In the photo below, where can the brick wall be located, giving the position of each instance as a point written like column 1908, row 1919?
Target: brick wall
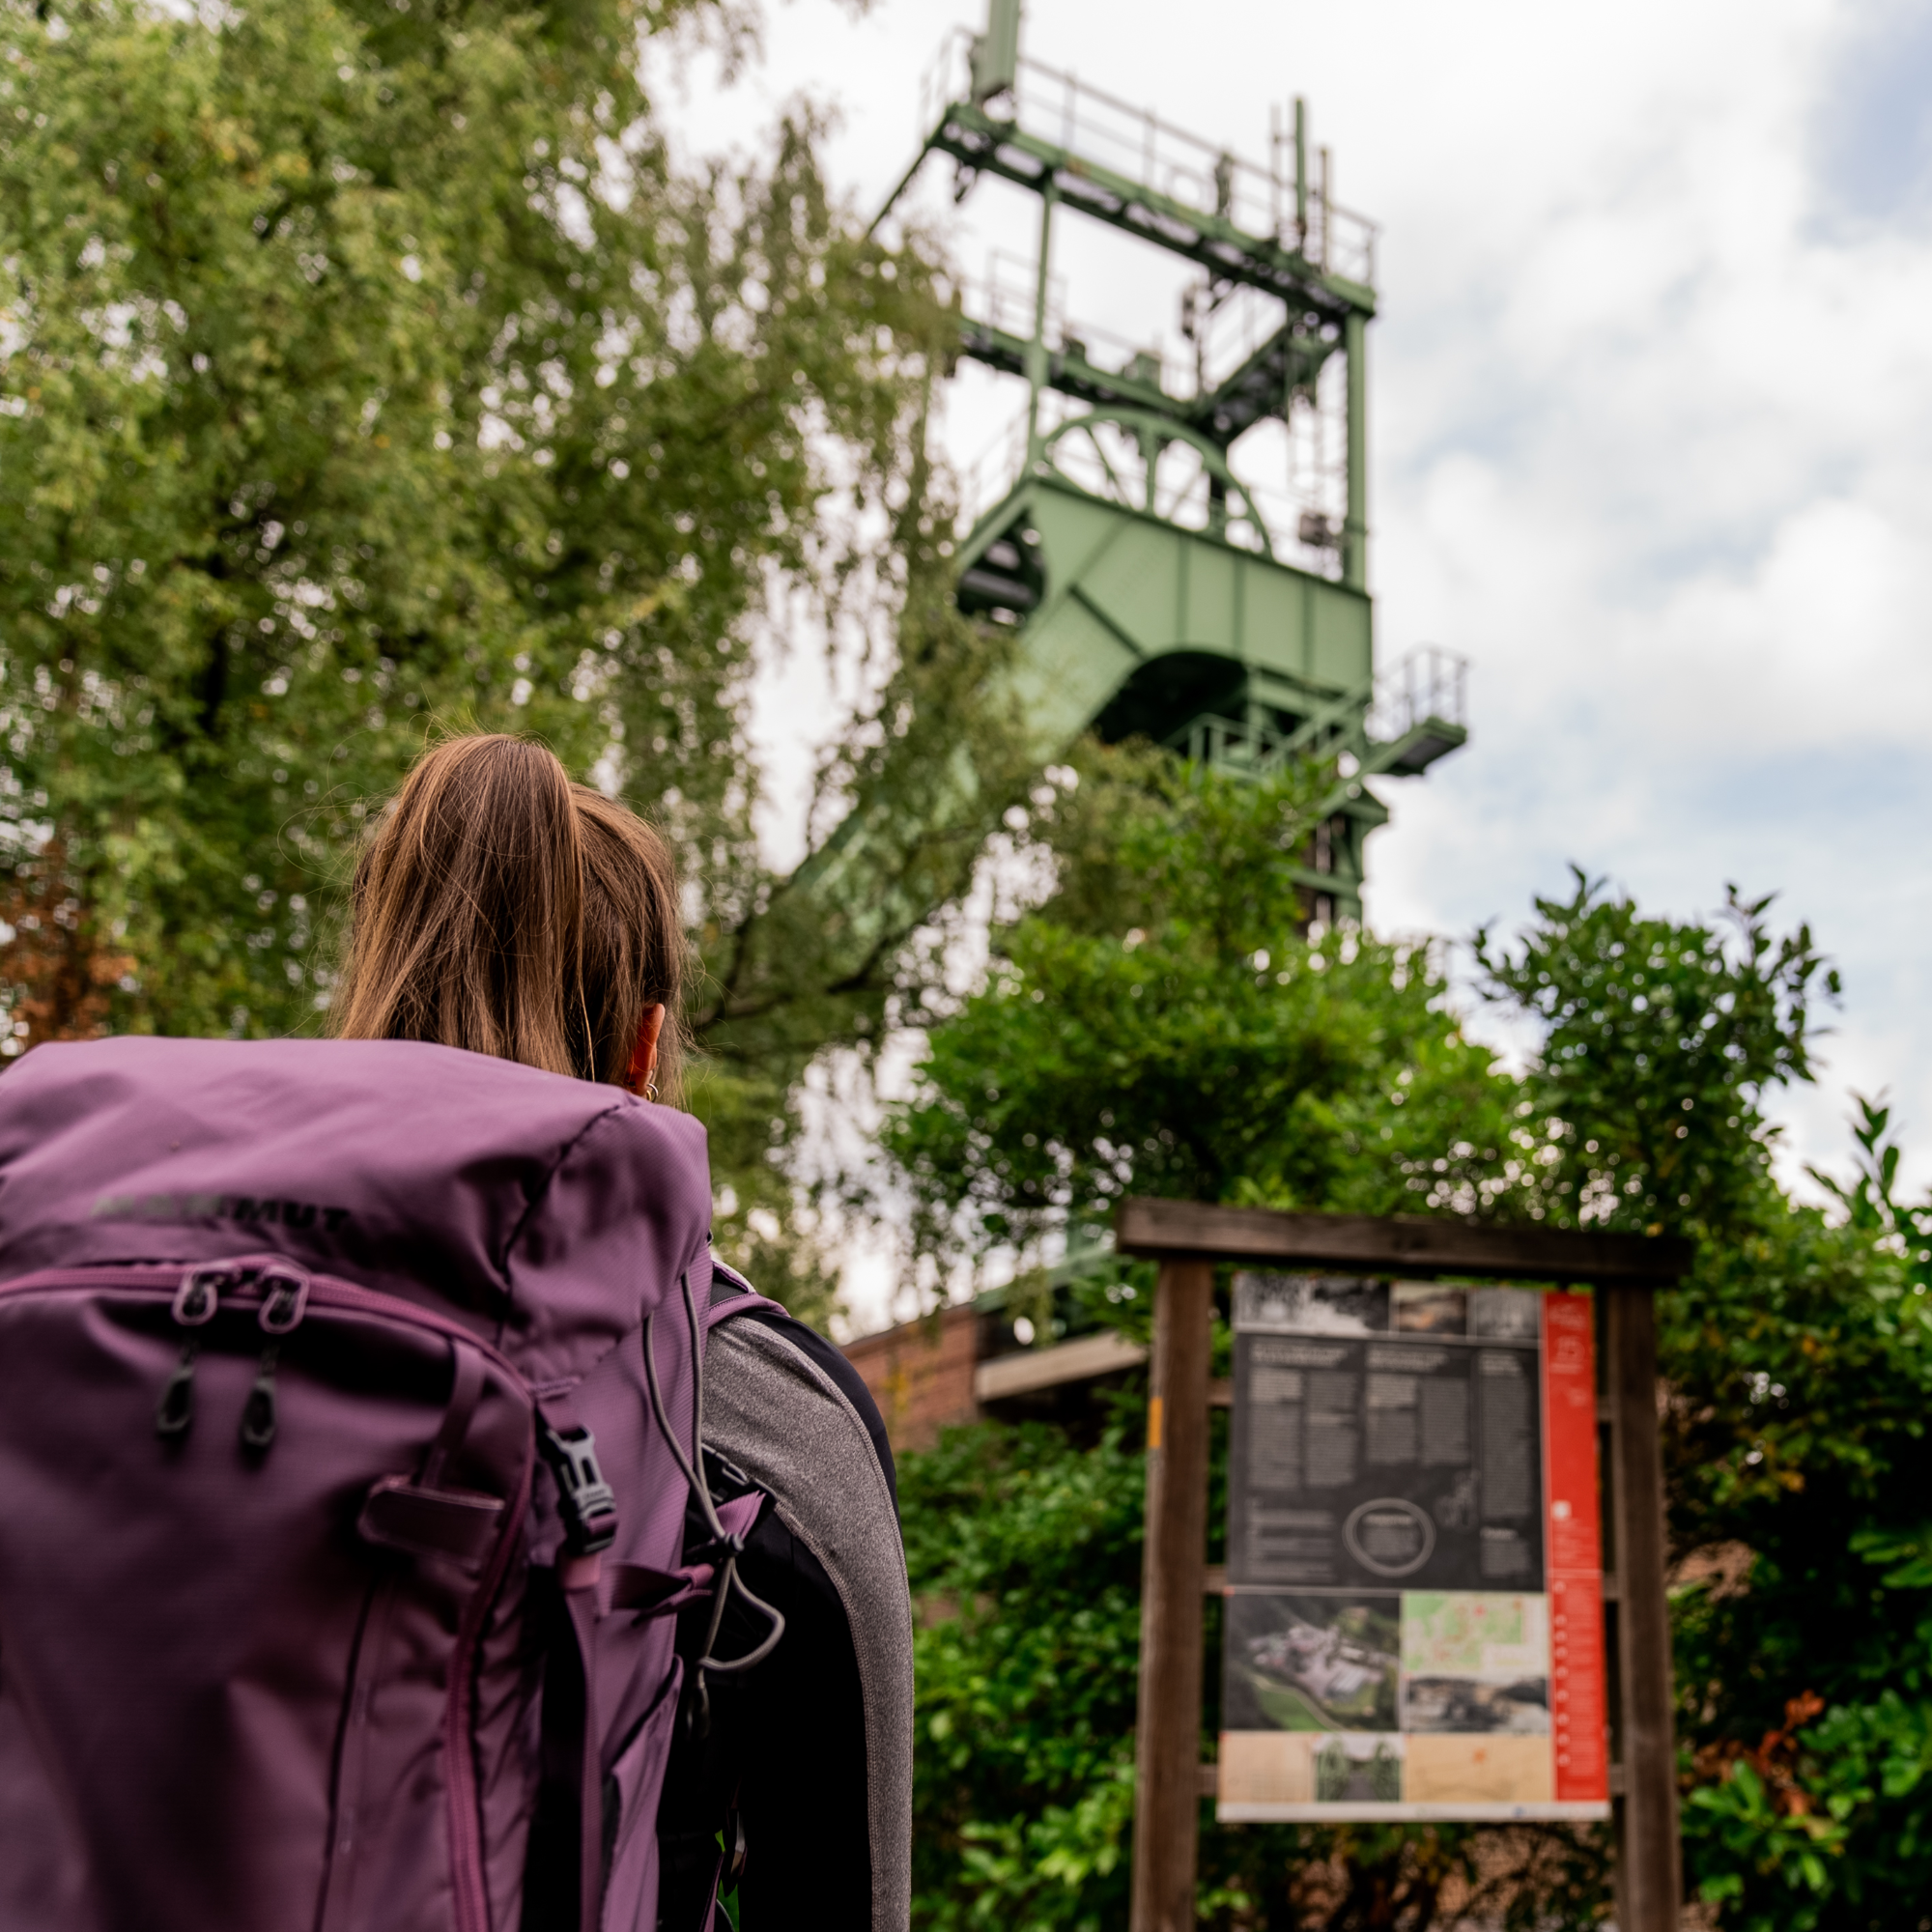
column 921, row 1374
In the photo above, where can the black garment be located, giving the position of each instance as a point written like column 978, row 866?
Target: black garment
column 773, row 1760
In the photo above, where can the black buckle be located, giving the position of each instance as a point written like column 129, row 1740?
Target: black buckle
column 584, row 1498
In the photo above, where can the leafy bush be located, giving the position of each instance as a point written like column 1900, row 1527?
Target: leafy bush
column 1024, row 1552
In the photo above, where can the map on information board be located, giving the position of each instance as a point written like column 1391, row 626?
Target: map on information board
column 1414, row 1620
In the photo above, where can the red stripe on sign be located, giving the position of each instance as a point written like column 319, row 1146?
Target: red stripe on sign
column 1573, row 1549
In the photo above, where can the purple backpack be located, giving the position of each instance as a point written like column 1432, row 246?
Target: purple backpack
column 348, row 1394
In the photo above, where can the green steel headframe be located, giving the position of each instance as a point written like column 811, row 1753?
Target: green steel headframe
column 1313, row 257
column 1150, row 583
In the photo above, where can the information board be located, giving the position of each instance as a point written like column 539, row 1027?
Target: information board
column 1414, row 1617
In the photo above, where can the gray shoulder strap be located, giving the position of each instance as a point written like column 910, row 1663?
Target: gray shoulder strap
column 785, row 1423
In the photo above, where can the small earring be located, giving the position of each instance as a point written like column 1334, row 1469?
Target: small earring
column 650, row 1089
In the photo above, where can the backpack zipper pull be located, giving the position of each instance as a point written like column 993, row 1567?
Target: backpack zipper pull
column 284, row 1302
column 196, row 1302
column 198, row 1296
column 175, row 1411
column 284, row 1299
column 258, row 1412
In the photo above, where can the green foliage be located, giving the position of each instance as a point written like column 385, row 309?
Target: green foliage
column 1659, row 1040
column 1801, row 1366
column 1797, row 1356
column 1824, row 1829
column 1756, row 1848
column 363, row 365
column 1163, row 1024
column 1869, row 1199
column 1023, row 1553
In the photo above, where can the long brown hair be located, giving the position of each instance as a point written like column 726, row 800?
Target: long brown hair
column 501, row 908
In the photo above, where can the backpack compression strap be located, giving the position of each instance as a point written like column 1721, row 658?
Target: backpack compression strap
column 563, row 1881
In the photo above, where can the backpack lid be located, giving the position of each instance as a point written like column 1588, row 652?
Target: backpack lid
column 551, row 1214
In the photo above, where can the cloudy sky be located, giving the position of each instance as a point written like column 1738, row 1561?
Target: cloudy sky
column 1652, row 426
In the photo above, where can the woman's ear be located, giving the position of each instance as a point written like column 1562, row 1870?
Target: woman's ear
column 644, row 1066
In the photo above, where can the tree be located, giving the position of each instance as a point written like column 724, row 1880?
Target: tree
column 1162, row 1022
column 1659, row 1042
column 367, row 369
column 1797, row 1360
column 1800, row 1362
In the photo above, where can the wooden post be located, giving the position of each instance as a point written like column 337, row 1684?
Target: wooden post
column 1167, row 1739
column 1649, row 1874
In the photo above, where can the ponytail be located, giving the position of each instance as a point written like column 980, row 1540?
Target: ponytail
column 500, row 908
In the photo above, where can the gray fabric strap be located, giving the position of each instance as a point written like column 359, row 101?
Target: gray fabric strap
column 783, row 1420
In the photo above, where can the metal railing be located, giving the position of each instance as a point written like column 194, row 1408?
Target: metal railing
column 1302, row 526
column 1429, row 682
column 1227, row 743
column 990, row 476
column 1137, row 144
column 1005, row 294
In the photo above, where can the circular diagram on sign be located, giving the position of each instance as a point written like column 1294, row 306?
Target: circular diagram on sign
column 1391, row 1536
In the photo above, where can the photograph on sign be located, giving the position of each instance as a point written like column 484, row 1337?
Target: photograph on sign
column 1414, row 1619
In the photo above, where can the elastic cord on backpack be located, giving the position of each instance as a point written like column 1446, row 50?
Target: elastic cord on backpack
column 690, row 1468
column 730, row 1580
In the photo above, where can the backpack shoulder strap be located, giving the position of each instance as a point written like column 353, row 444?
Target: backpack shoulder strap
column 791, row 1411
column 732, row 1295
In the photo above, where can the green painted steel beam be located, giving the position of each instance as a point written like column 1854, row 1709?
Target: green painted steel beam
column 1066, row 369
column 1355, row 525
column 1289, row 361
column 1105, row 596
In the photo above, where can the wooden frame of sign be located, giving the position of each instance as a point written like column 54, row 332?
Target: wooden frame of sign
column 1188, row 1240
